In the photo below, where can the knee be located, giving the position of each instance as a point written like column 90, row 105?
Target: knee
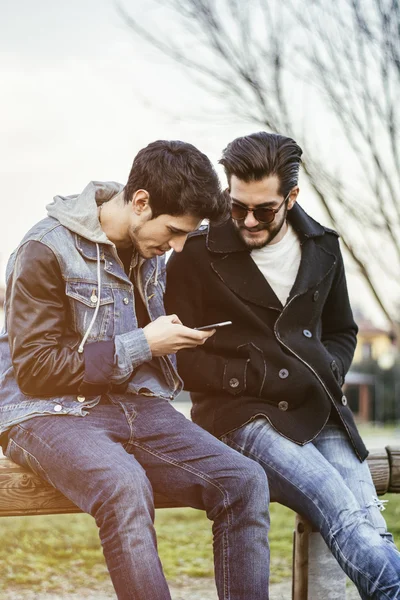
column 250, row 482
column 121, row 491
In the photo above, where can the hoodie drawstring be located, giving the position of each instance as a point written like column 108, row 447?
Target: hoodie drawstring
column 85, row 337
column 156, row 275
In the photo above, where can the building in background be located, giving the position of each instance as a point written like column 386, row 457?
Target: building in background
column 373, row 343
column 373, row 382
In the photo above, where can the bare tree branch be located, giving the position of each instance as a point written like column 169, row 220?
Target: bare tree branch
column 345, row 55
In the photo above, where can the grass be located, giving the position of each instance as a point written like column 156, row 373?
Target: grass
column 371, row 430
column 54, row 553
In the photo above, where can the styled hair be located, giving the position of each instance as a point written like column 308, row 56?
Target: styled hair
column 259, row 155
column 179, row 180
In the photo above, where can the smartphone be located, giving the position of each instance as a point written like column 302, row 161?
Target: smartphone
column 214, row 325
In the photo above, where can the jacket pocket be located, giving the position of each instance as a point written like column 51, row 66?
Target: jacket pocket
column 256, row 369
column 336, row 372
column 234, row 376
column 83, row 301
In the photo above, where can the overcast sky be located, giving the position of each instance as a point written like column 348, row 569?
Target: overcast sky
column 79, row 97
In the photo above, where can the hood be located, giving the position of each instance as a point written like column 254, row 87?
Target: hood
column 78, row 213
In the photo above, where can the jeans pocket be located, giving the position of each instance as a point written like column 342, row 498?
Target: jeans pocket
column 25, row 459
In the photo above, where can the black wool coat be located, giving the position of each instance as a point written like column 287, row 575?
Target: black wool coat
column 285, row 362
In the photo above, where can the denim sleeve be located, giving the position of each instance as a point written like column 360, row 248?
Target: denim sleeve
column 131, row 350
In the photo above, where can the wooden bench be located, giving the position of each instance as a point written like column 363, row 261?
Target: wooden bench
column 23, row 493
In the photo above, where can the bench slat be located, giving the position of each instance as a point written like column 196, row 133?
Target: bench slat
column 24, row 493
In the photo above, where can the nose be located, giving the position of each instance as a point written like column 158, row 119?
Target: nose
column 177, row 244
column 250, row 220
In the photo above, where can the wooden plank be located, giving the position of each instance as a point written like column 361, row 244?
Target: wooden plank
column 378, row 463
column 300, row 559
column 24, row 493
column 394, row 461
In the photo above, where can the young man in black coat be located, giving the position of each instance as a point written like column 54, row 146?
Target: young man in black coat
column 270, row 385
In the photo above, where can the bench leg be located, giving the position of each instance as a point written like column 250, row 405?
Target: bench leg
column 316, row 573
column 302, row 529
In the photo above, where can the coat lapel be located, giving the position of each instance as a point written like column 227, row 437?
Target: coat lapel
column 316, row 263
column 232, row 261
column 240, row 273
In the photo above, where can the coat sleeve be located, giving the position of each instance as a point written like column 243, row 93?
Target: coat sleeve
column 339, row 331
column 45, row 357
column 201, row 369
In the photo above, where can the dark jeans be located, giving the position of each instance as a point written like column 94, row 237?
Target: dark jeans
column 110, row 461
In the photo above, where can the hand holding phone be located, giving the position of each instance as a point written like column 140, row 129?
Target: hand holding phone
column 167, row 335
column 213, row 326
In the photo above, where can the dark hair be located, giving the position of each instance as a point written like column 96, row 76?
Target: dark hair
column 179, row 179
column 259, row 155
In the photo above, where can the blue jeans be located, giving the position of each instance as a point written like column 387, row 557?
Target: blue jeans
column 325, row 482
column 110, row 461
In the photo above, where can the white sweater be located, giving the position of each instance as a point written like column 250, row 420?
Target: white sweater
column 280, row 262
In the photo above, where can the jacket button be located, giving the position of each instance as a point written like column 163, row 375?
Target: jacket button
column 234, row 382
column 283, row 405
column 283, row 373
column 57, row 408
column 125, row 300
column 315, row 296
column 344, row 400
column 93, row 299
column 81, row 398
column 307, row 333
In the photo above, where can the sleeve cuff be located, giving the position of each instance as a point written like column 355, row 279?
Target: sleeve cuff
column 131, row 350
column 99, row 366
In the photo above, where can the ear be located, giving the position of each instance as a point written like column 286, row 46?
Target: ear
column 141, row 202
column 293, row 197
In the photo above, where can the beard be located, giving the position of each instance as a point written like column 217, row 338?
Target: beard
column 262, row 240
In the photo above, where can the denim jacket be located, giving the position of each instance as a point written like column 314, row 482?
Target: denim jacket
column 101, row 308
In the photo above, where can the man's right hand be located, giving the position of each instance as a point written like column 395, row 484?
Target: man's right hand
column 167, row 335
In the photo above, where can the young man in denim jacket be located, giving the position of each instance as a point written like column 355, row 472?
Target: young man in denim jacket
column 270, row 385
column 87, row 369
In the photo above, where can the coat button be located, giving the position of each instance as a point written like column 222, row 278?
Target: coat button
column 283, row 405
column 57, row 408
column 307, row 333
column 125, row 300
column 234, row 382
column 315, row 296
column 344, row 400
column 283, row 373
column 93, row 298
column 81, row 398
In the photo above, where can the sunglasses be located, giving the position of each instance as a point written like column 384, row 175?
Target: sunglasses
column 263, row 214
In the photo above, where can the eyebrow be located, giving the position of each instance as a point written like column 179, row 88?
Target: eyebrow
column 263, row 205
column 178, row 230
